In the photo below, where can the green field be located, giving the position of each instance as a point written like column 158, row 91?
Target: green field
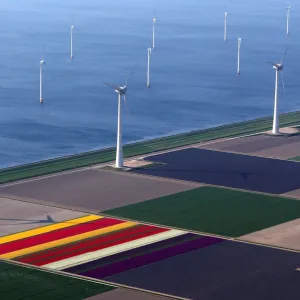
column 106, row 155
column 297, row 158
column 213, row 210
column 18, row 283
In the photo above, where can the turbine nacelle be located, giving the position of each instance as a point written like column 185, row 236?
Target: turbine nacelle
column 42, row 62
column 121, row 90
column 278, row 67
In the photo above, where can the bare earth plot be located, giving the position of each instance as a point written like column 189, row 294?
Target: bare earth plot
column 18, row 216
column 286, row 235
column 93, row 190
column 282, row 147
column 228, row 270
column 227, row 169
column 122, row 294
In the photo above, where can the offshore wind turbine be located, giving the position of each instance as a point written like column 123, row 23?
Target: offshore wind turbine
column 225, row 26
column 153, row 31
column 121, row 91
column 148, row 65
column 42, row 62
column 278, row 67
column 71, row 44
column 288, row 19
column 238, row 56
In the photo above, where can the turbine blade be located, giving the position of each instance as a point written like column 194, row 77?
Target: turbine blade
column 127, row 110
column 283, row 57
column 111, row 85
column 282, row 82
column 132, row 72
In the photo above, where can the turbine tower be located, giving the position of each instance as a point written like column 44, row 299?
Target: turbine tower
column 42, row 62
column 153, row 31
column 148, row 66
column 121, row 91
column 288, row 19
column 278, row 68
column 238, row 57
column 72, row 28
column 225, row 26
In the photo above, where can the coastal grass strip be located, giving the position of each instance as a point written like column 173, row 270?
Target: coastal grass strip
column 140, row 148
column 124, row 255
column 297, row 158
column 47, row 228
column 67, row 240
column 90, row 256
column 151, row 257
column 58, row 234
column 97, row 243
column 213, row 210
column 18, row 282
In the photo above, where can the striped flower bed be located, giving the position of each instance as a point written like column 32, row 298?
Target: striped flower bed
column 97, row 246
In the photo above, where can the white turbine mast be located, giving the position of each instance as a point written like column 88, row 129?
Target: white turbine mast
column 238, row 55
column 71, row 44
column 278, row 67
column 42, row 62
column 225, row 26
column 121, row 91
column 288, row 19
column 153, row 30
column 148, row 66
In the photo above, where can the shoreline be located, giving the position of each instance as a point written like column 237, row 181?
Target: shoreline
column 106, row 155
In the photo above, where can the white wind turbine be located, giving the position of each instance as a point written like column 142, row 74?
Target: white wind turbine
column 238, row 56
column 288, row 19
column 225, row 26
column 278, row 68
column 148, row 65
column 153, row 31
column 121, row 91
column 42, row 62
column 72, row 28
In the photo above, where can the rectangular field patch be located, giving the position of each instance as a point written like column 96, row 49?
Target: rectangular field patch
column 214, row 210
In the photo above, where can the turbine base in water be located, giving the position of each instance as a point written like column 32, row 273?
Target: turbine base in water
column 42, row 100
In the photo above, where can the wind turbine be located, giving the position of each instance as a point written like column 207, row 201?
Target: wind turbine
column 225, row 26
column 72, row 28
column 288, row 19
column 148, row 66
column 238, row 57
column 121, row 91
column 42, row 62
column 153, row 31
column 278, row 68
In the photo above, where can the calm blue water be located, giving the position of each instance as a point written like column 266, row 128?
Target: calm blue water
column 194, row 81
